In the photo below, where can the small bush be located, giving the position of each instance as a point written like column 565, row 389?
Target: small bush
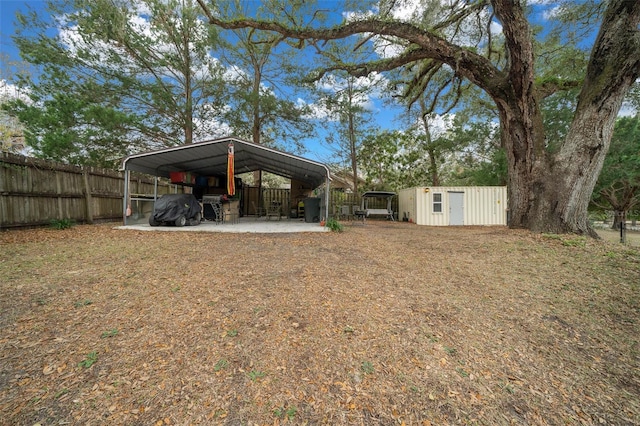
column 61, row 223
column 334, row 225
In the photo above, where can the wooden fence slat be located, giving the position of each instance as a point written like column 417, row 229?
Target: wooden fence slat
column 33, row 192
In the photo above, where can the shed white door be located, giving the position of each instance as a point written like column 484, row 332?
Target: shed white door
column 456, row 208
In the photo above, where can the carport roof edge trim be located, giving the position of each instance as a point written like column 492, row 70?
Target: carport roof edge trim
column 314, row 172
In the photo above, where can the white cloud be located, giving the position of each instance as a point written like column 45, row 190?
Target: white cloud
column 627, row 110
column 495, row 28
column 234, row 73
column 140, row 23
column 367, row 89
column 9, row 92
column 551, row 13
column 465, row 34
column 439, row 124
column 318, row 112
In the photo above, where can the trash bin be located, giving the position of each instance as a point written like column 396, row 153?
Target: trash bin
column 311, row 210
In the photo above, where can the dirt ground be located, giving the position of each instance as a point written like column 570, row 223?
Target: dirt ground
column 632, row 238
column 383, row 324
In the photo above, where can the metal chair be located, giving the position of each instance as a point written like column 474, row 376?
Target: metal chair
column 359, row 213
column 217, row 209
column 273, row 211
column 345, row 212
column 260, row 211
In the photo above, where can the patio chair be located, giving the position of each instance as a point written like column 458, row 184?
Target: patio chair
column 273, row 211
column 359, row 213
column 260, row 211
column 217, row 208
column 345, row 212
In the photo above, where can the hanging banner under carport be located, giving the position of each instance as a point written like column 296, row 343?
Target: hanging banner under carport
column 231, row 184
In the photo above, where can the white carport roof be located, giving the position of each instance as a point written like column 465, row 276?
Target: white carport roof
column 209, row 158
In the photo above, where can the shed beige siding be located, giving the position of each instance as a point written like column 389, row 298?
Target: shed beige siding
column 482, row 205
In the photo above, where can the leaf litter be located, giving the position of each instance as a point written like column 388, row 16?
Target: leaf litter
column 387, row 323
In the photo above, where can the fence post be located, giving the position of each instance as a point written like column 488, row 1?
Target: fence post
column 87, row 196
column 59, row 193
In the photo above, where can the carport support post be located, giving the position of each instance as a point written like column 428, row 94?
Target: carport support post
column 155, row 190
column 326, row 198
column 125, row 203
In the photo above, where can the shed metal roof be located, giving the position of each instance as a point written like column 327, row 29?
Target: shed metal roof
column 209, row 158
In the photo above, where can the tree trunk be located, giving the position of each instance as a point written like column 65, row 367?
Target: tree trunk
column 551, row 194
column 431, row 151
column 433, row 166
column 256, row 119
column 351, row 130
column 617, row 215
column 527, row 166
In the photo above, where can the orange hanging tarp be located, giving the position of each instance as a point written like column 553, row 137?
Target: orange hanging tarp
column 231, row 184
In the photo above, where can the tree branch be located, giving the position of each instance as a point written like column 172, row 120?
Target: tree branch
column 423, row 45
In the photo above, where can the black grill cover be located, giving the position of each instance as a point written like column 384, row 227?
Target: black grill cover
column 170, row 207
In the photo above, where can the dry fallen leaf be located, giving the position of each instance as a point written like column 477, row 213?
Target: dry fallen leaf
column 510, row 302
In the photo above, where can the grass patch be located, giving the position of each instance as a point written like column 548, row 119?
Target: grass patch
column 567, row 240
column 82, row 303
column 110, row 333
column 90, row 359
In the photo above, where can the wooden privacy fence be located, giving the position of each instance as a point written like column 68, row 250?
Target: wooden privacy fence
column 36, row 192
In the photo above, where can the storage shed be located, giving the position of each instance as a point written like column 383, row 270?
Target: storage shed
column 453, row 205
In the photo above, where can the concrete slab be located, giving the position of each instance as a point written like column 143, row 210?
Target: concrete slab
column 244, row 225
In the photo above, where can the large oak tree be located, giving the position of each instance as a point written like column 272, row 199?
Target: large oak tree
column 549, row 190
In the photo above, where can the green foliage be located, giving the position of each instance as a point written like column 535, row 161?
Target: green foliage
column 461, row 371
column 60, row 393
column 465, row 152
column 69, row 129
column 450, row 351
column 618, row 186
column 221, row 364
column 127, row 76
column 90, row 359
column 254, row 375
column 61, row 224
column 282, row 412
column 334, row 225
column 566, row 240
column 257, row 108
column 109, row 333
column 343, row 96
column 378, row 157
column 367, row 367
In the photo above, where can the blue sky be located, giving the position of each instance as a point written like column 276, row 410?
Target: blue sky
column 8, row 9
column 385, row 117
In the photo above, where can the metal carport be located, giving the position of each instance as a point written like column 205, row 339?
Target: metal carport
column 209, row 158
